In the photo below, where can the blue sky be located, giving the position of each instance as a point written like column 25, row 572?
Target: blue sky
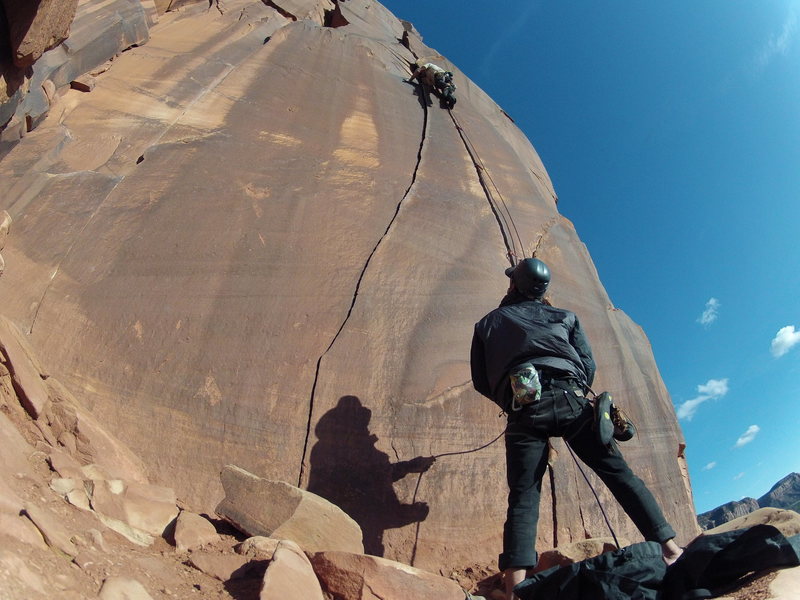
column 671, row 132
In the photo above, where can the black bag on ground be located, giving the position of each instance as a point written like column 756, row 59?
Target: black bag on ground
column 712, row 564
column 631, row 573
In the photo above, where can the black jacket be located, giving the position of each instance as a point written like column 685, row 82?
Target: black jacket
column 524, row 330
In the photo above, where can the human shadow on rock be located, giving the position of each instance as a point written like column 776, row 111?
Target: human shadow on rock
column 348, row 470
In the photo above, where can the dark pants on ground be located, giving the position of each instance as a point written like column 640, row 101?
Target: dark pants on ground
column 563, row 411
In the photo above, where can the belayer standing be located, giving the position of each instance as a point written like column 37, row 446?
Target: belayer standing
column 437, row 79
column 524, row 340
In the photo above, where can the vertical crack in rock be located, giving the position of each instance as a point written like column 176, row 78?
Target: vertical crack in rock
column 544, row 184
column 552, row 478
column 545, row 230
column 355, row 295
column 502, row 221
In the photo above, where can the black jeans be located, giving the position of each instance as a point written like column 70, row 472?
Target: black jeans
column 563, row 411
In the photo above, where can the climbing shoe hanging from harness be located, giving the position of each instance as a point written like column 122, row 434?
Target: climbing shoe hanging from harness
column 525, row 386
column 623, row 426
column 610, row 421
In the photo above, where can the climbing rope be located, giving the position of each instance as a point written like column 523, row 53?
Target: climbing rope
column 596, row 497
column 419, row 480
column 512, row 240
column 511, row 237
column 507, row 226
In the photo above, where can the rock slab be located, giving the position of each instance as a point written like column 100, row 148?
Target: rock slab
column 260, row 507
column 348, row 576
column 290, row 575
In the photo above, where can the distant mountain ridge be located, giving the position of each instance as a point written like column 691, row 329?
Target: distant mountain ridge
column 784, row 494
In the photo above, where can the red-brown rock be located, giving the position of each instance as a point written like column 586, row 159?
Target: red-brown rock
column 123, row 588
column 276, row 509
column 290, row 575
column 361, row 577
column 270, row 254
column 26, row 372
column 193, row 531
column 223, row 567
column 36, row 26
column 258, row 546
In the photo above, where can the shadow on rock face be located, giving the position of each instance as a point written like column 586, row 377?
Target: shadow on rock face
column 348, row 470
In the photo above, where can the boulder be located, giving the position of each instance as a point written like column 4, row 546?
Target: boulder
column 258, row 547
column 290, row 575
column 72, row 490
column 347, row 576
column 193, row 531
column 276, row 509
column 123, row 588
column 786, row 584
column 220, row 566
column 137, row 511
column 54, row 532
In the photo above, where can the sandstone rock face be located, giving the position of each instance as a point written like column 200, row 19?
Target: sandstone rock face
column 251, row 243
column 36, row 26
column 353, row 577
column 99, row 31
column 276, row 509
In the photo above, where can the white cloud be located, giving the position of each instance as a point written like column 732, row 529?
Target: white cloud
column 710, row 313
column 711, row 390
column 710, row 466
column 748, row 436
column 777, row 45
column 786, row 339
column 739, row 476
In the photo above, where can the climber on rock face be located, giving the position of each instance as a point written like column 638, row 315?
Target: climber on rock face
column 534, row 361
column 433, row 77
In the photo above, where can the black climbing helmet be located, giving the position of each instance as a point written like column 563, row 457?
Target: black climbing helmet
column 531, row 277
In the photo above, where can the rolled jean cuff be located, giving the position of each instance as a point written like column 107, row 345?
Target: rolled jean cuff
column 507, row 560
column 662, row 533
